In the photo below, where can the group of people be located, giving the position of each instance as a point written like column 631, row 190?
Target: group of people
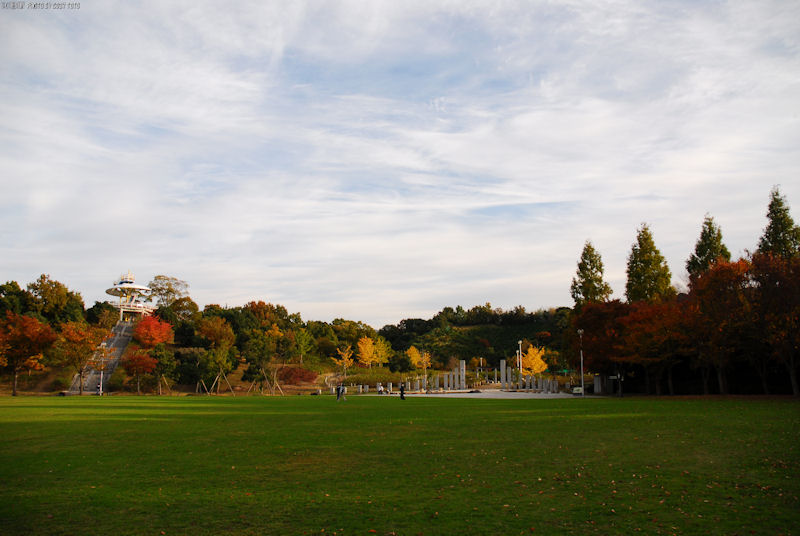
column 341, row 391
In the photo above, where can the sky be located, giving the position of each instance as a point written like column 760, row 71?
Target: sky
column 381, row 160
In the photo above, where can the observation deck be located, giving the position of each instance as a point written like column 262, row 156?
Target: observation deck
column 130, row 296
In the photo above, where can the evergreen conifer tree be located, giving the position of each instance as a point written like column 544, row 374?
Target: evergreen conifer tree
column 588, row 284
column 781, row 236
column 708, row 249
column 649, row 278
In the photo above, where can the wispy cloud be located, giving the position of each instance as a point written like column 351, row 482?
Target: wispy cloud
column 385, row 159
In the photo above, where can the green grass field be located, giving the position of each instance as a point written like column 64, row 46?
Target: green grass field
column 378, row 465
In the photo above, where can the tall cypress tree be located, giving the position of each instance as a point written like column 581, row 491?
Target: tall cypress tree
column 649, row 278
column 781, row 236
column 708, row 249
column 588, row 284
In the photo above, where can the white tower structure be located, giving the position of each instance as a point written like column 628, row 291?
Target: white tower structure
column 130, row 295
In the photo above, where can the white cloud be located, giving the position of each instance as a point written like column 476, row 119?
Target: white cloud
column 383, row 160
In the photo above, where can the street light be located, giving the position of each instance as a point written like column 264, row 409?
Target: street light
column 580, row 335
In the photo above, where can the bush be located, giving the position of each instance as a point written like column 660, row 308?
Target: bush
column 296, row 375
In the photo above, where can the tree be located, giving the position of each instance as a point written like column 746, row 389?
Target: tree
column 54, row 301
column 220, row 337
column 166, row 290
column 76, row 345
column 383, row 350
column 649, row 278
column 23, row 340
column 366, row 351
column 781, row 236
column 708, row 249
column 532, row 360
column 588, row 284
column 138, row 363
column 304, row 342
column 777, row 281
column 150, row 331
column 102, row 314
column 165, row 363
column 723, row 298
column 345, row 358
column 14, row 299
column 414, row 356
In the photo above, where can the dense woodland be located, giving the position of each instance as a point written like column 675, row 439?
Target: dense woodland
column 735, row 330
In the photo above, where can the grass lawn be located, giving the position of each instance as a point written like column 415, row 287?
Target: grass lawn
column 378, row 465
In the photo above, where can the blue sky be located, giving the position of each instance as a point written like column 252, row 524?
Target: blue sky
column 383, row 160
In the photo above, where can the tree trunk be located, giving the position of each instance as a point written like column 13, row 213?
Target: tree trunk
column 706, row 373
column 159, row 387
column 793, row 376
column 80, row 382
column 14, row 390
column 669, row 382
column 138, row 386
column 723, row 385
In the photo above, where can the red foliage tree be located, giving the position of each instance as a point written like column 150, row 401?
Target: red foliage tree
column 150, row 331
column 777, row 281
column 139, row 363
column 23, row 340
column 722, row 298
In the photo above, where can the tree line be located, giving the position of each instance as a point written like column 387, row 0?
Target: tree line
column 735, row 329
column 736, row 321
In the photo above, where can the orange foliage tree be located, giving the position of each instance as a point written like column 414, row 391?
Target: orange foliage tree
column 23, row 340
column 150, row 331
column 76, row 345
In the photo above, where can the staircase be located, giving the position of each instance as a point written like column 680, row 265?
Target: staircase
column 121, row 336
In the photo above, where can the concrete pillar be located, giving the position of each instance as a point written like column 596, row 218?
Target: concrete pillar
column 389, row 387
column 463, row 372
column 416, row 385
column 502, row 373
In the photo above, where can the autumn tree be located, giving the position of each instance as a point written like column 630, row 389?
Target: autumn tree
column 781, row 236
column 777, row 281
column 588, row 284
column 649, row 278
column 533, row 360
column 414, row 356
column 166, row 290
column 150, row 331
column 75, row 346
column 23, row 340
column 723, row 298
column 345, row 359
column 708, row 249
column 383, row 350
column 138, row 363
column 366, row 351
column 220, row 338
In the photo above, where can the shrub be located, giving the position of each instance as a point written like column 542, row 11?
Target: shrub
column 296, row 375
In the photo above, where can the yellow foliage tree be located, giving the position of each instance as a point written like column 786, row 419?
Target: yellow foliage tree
column 532, row 362
column 424, row 361
column 345, row 358
column 413, row 356
column 366, row 351
column 383, row 349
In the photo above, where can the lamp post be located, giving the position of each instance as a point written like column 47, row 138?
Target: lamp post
column 580, row 335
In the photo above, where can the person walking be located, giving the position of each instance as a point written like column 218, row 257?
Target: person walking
column 402, row 391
